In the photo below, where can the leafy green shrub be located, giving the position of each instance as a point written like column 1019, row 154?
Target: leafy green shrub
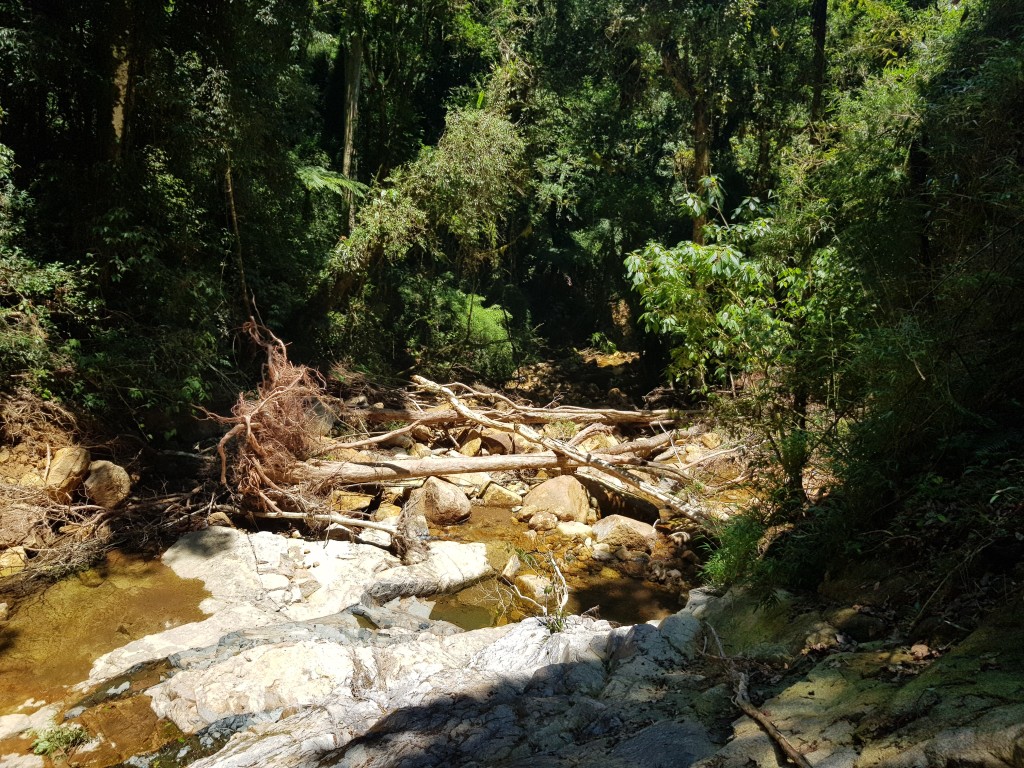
column 734, row 558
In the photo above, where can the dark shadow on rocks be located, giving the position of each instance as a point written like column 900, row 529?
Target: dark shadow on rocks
column 639, row 706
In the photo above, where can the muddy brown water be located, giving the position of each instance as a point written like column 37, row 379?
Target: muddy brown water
column 617, row 597
column 52, row 639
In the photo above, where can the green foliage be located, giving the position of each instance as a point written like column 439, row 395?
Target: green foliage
column 449, row 203
column 316, row 178
column 736, row 554
column 449, row 332
column 58, row 740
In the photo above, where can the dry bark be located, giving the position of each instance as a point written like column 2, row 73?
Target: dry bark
column 337, row 473
column 442, row 417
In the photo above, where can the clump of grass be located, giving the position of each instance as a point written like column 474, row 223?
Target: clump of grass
column 59, row 739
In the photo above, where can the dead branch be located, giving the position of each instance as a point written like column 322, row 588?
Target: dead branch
column 742, row 700
column 602, row 468
column 437, row 417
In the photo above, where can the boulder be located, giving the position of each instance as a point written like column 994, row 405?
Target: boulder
column 219, row 518
column 350, row 501
column 20, row 523
column 597, row 443
column 574, row 530
column 387, row 512
column 522, row 445
column 67, row 471
column 31, row 480
column 499, row 496
column 107, row 484
column 508, row 573
column 497, row 442
column 617, row 531
column 473, row 483
column 711, row 440
column 13, row 561
column 543, row 521
column 440, row 502
column 471, row 443
column 449, row 567
column 534, row 587
column 563, row 496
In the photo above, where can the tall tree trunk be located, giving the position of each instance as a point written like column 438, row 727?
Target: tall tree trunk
column 701, row 156
column 121, row 111
column 819, row 24
column 353, row 77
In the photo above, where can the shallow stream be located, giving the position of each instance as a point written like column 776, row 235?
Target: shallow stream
column 53, row 638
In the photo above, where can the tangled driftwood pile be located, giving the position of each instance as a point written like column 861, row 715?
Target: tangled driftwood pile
column 278, row 465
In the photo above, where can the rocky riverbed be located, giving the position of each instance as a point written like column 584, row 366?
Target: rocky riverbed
column 323, row 653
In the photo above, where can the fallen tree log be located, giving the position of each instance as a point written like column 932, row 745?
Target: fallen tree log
column 337, row 473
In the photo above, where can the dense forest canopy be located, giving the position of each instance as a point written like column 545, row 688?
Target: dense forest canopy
column 813, row 203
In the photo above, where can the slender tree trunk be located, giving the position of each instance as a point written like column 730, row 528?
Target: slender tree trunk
column 353, row 77
column 701, row 156
column 122, row 94
column 819, row 24
column 229, row 184
column 797, row 461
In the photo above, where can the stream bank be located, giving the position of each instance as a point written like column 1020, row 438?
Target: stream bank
column 323, row 653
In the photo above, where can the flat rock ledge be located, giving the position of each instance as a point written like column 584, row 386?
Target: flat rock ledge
column 263, row 579
column 283, row 669
column 284, row 674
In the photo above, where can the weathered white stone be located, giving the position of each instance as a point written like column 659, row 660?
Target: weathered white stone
column 574, row 530
column 272, row 581
column 543, row 521
column 536, row 588
column 450, row 566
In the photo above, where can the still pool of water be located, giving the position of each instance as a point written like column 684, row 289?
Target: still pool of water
column 52, row 639
column 617, row 597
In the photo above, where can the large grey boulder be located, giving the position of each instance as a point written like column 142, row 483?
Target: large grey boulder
column 440, row 502
column 563, row 496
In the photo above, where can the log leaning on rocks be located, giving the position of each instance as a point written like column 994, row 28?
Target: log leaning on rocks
column 602, row 469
